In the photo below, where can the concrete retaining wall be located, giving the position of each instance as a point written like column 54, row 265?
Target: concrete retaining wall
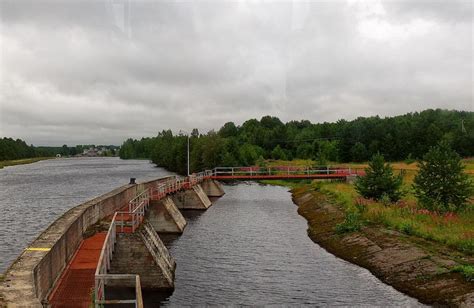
column 165, row 217
column 212, row 188
column 143, row 253
column 32, row 275
column 192, row 199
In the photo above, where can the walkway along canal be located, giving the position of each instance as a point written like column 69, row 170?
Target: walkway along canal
column 274, row 271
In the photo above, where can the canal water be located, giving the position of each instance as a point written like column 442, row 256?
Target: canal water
column 249, row 248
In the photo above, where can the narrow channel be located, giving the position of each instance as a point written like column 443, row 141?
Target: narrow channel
column 251, row 248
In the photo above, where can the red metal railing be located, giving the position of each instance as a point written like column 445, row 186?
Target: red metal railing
column 282, row 172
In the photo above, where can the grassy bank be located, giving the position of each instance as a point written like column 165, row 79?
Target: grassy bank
column 431, row 272
column 454, row 230
column 6, row 163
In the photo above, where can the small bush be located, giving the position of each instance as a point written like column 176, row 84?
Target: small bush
column 466, row 246
column 352, row 223
column 466, row 270
column 407, row 228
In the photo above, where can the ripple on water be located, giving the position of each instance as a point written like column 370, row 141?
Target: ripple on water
column 251, row 248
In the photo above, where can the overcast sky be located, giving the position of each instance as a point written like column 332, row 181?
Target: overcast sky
column 101, row 71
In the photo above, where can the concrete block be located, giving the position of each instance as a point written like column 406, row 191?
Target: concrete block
column 165, row 217
column 192, row 199
column 212, row 188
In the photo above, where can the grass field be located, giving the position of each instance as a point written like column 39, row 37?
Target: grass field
column 454, row 230
column 6, row 163
column 468, row 162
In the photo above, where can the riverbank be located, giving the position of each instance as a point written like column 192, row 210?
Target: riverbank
column 421, row 268
column 6, row 163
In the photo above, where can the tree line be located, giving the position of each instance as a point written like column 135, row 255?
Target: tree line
column 405, row 137
column 12, row 149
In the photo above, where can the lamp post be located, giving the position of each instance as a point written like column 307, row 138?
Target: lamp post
column 187, row 135
column 188, row 154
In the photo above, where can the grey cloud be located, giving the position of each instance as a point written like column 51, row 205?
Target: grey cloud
column 102, row 71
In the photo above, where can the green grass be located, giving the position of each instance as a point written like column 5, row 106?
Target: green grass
column 466, row 270
column 6, row 163
column 456, row 231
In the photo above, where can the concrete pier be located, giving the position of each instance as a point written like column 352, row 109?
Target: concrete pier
column 192, row 199
column 36, row 274
column 165, row 216
column 212, row 188
column 143, row 253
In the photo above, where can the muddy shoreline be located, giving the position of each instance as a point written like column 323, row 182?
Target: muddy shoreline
column 414, row 266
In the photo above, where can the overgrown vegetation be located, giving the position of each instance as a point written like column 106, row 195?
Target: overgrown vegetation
column 466, row 270
column 441, row 184
column 455, row 230
column 398, row 138
column 379, row 182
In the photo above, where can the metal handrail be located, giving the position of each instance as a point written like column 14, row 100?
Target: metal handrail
column 142, row 197
column 175, row 184
column 138, row 301
column 279, row 170
column 136, row 211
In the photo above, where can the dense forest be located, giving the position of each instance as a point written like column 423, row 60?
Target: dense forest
column 405, row 137
column 11, row 149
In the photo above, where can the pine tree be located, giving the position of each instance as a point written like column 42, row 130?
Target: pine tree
column 379, row 181
column 441, row 184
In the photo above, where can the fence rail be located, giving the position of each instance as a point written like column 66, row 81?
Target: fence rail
column 282, row 171
column 121, row 221
column 175, row 184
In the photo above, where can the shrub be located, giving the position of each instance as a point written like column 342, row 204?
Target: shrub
column 466, row 270
column 379, row 181
column 407, row 228
column 441, row 184
column 353, row 220
column 351, row 223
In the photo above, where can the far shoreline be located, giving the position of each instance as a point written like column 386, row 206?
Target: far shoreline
column 25, row 161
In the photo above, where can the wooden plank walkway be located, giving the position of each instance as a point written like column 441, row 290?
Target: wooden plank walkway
column 75, row 287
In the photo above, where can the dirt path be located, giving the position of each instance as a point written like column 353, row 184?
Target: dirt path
column 412, row 265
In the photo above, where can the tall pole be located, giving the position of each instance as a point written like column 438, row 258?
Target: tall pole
column 188, row 154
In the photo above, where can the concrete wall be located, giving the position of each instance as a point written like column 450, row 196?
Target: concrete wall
column 165, row 217
column 212, row 188
column 143, row 253
column 32, row 275
column 192, row 199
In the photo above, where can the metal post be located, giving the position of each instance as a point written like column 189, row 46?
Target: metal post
column 188, row 154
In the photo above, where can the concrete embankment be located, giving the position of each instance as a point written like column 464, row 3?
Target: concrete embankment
column 32, row 276
column 412, row 265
